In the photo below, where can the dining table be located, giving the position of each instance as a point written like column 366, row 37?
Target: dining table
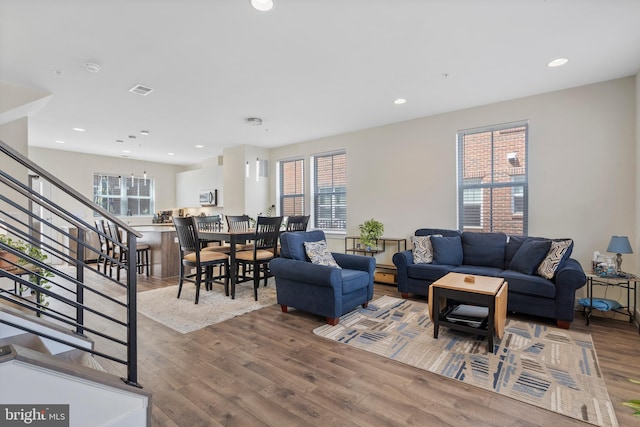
column 233, row 237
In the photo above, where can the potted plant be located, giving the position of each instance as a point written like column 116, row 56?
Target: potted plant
column 634, row 403
column 370, row 231
column 38, row 275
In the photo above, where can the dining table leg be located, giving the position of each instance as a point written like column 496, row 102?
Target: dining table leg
column 232, row 264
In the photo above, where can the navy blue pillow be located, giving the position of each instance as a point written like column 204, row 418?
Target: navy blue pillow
column 447, row 250
column 513, row 245
column 529, row 256
column 484, row 249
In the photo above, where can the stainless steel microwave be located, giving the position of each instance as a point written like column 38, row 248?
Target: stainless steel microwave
column 209, row 198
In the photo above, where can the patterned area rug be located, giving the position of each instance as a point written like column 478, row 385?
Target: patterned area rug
column 552, row 368
column 184, row 316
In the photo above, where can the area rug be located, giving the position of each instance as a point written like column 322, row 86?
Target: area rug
column 184, row 316
column 551, row 368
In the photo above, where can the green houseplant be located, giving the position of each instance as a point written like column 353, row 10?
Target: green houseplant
column 370, row 231
column 634, row 403
column 38, row 275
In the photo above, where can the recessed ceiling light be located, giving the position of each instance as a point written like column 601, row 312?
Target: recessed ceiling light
column 557, row 62
column 120, row 141
column 170, row 154
column 92, row 67
column 126, row 151
column 262, row 5
column 199, row 146
column 144, row 132
column 60, row 142
column 78, row 129
column 399, row 101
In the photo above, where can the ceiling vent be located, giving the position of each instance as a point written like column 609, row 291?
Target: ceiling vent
column 141, row 90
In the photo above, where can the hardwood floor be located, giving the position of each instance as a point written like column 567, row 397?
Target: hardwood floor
column 266, row 368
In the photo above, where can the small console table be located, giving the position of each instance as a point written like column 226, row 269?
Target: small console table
column 385, row 273
column 628, row 282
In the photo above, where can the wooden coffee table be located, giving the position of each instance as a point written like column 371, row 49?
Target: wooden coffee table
column 490, row 292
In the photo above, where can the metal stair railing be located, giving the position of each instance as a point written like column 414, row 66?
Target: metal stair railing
column 47, row 249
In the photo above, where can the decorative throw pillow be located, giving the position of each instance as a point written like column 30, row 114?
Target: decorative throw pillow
column 529, row 256
column 554, row 258
column 422, row 249
column 319, row 254
column 447, row 250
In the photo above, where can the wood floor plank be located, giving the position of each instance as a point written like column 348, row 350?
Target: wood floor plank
column 268, row 368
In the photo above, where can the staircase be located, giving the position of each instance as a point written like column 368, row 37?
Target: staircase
column 61, row 316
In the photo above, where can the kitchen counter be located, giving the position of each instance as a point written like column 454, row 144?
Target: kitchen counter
column 163, row 242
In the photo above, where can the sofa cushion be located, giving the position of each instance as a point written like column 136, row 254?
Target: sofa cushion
column 292, row 244
column 422, row 249
column 513, row 244
column 429, row 272
column 520, row 283
column 555, row 257
column 352, row 280
column 437, row 231
column 478, row 270
column 529, row 256
column 484, row 249
column 319, row 254
column 447, row 250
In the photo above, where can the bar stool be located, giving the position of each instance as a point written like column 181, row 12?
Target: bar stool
column 142, row 257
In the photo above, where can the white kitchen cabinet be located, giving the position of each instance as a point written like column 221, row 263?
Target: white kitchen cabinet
column 189, row 185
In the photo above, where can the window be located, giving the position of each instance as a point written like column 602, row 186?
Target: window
column 472, row 204
column 292, row 187
column 124, row 196
column 492, row 179
column 330, row 191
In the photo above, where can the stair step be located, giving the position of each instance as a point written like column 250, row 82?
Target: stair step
column 30, row 341
column 82, row 358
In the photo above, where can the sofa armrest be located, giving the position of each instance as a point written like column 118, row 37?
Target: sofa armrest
column 306, row 272
column 569, row 278
column 355, row 262
column 402, row 260
column 570, row 275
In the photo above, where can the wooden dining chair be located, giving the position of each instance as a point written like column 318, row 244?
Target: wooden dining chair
column 193, row 257
column 211, row 223
column 240, row 223
column 265, row 243
column 104, row 246
column 297, row 222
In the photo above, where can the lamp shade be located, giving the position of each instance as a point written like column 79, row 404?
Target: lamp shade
column 619, row 245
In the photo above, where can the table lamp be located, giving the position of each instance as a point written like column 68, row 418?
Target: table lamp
column 619, row 245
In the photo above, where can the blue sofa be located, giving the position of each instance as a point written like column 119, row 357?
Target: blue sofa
column 326, row 291
column 514, row 258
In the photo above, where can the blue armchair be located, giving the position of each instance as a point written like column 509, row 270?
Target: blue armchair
column 326, row 291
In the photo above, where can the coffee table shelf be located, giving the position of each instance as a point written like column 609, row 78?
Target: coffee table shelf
column 490, row 292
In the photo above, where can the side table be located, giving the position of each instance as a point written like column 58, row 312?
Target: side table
column 628, row 282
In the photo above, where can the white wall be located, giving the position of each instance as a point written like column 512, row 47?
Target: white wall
column 636, row 242
column 15, row 135
column 582, row 161
column 77, row 169
column 244, row 195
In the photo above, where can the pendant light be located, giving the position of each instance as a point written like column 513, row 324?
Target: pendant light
column 255, row 121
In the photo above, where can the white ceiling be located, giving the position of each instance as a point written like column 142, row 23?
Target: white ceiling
column 308, row 68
